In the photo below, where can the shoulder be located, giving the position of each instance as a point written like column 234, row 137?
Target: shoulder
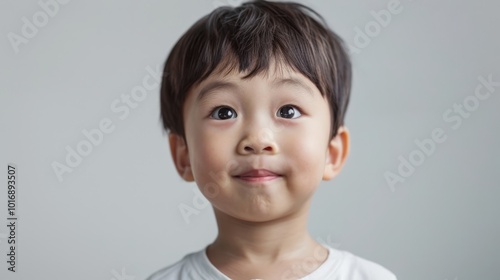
column 182, row 269
column 362, row 269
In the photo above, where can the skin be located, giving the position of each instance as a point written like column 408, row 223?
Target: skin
column 280, row 127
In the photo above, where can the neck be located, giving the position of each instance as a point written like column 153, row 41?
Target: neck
column 262, row 242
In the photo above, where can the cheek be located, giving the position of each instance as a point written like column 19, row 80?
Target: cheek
column 308, row 158
column 209, row 154
column 306, row 150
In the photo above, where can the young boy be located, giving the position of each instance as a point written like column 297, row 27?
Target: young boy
column 254, row 99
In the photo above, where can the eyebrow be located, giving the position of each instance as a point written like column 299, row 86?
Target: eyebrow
column 222, row 85
column 213, row 86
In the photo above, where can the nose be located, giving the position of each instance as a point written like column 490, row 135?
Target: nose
column 258, row 141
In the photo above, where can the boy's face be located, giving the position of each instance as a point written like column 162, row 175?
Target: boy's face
column 278, row 123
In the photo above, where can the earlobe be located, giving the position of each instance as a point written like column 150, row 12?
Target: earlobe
column 336, row 154
column 180, row 156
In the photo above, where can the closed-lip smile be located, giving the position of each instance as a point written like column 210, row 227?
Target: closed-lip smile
column 258, row 175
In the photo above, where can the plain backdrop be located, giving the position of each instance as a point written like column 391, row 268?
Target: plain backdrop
column 116, row 214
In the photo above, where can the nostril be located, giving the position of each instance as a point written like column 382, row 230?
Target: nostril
column 248, row 149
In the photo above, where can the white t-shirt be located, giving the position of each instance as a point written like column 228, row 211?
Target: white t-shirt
column 339, row 265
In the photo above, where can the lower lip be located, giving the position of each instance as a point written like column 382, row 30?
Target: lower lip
column 258, row 179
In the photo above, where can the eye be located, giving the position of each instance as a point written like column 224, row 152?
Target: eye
column 288, row 112
column 223, row 113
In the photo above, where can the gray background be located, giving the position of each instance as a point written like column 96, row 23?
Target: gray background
column 117, row 214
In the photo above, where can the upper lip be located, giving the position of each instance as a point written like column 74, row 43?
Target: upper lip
column 257, row 173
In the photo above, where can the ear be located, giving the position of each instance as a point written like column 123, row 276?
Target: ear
column 180, row 156
column 336, row 154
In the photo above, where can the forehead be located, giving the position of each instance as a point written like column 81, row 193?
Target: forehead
column 277, row 69
column 276, row 76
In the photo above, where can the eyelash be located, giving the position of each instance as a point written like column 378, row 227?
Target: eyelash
column 212, row 110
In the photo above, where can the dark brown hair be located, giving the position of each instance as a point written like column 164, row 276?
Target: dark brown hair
column 248, row 37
